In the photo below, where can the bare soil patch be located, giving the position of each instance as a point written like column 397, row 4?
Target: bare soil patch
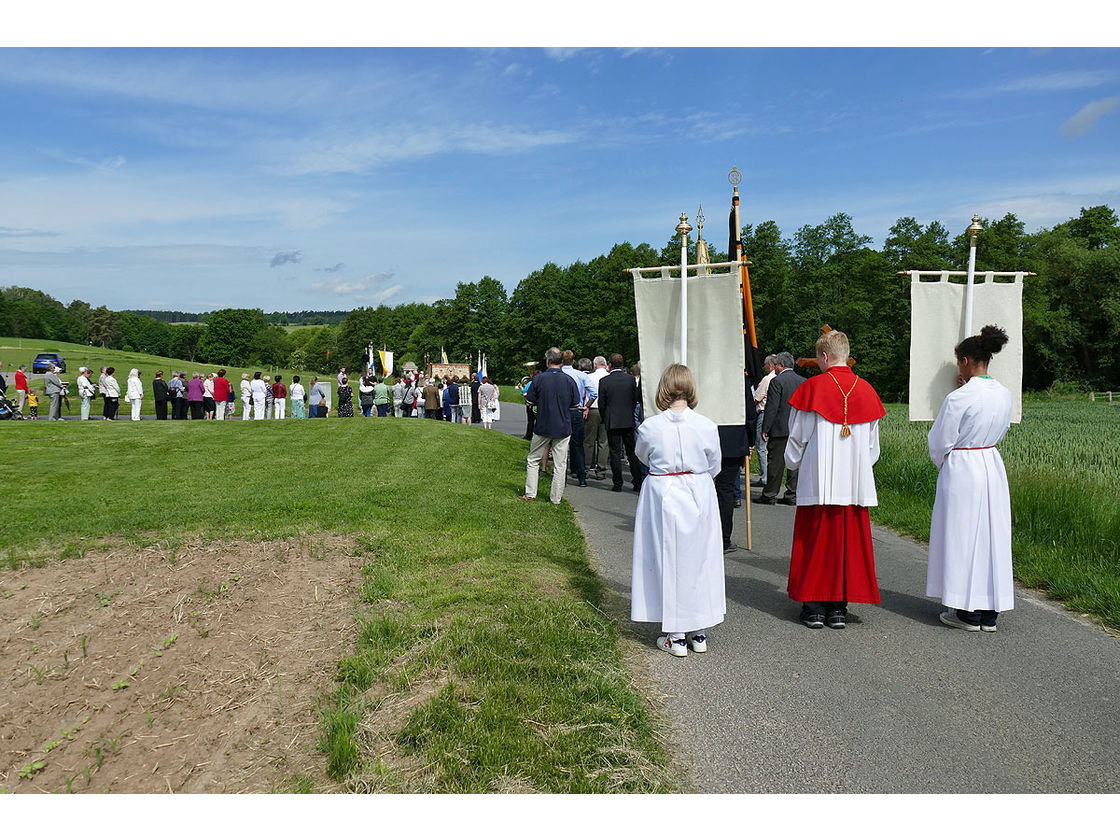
column 198, row 670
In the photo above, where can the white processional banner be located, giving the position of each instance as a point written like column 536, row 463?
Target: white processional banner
column 936, row 323
column 715, row 340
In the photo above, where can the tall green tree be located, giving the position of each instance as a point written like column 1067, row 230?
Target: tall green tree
column 230, row 337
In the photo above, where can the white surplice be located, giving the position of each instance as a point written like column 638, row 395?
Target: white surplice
column 678, row 576
column 970, row 533
column 832, row 470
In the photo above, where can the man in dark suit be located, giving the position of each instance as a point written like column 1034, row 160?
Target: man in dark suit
column 735, row 444
column 775, row 431
column 618, row 397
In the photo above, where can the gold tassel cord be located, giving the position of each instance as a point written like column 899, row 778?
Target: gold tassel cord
column 844, row 430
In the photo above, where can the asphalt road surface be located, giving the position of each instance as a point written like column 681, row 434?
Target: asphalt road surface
column 896, row 703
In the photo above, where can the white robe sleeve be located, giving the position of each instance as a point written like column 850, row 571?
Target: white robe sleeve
column 641, row 445
column 945, row 432
column 802, row 424
column 715, row 456
column 873, row 443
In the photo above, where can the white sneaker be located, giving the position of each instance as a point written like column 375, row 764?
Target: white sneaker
column 676, row 647
column 949, row 619
column 698, row 642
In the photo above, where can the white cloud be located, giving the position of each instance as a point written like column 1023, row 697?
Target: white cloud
column 384, row 295
column 1086, row 119
column 1065, row 80
column 369, row 283
column 373, row 149
column 561, row 53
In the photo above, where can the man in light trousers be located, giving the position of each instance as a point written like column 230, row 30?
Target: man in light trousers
column 555, row 395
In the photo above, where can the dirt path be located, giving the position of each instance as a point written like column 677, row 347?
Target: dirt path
column 148, row 670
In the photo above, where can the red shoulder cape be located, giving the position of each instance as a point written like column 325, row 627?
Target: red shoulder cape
column 820, row 394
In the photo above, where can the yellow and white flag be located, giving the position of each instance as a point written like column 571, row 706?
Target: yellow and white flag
column 386, row 361
column 443, row 356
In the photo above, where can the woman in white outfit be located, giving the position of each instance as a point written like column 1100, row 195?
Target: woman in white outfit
column 487, row 402
column 970, row 534
column 135, row 392
column 260, row 396
column 246, row 396
column 678, row 543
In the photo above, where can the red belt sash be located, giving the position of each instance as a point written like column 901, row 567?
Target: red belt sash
column 971, row 448
column 660, row 475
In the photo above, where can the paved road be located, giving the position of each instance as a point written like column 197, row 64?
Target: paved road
column 896, row 703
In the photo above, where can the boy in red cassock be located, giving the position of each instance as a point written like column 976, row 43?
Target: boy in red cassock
column 833, row 442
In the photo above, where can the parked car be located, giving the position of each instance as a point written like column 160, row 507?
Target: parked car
column 45, row 361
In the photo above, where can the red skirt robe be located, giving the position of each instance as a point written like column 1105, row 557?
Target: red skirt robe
column 832, row 557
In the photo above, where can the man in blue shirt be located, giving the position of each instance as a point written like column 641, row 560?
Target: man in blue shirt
column 587, row 394
column 556, row 398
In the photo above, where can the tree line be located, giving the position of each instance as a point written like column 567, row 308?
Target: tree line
column 824, row 273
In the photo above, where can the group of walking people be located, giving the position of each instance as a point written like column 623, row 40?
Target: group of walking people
column 823, row 434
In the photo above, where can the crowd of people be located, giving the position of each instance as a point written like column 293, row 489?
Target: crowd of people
column 211, row 396
column 818, row 434
column 821, row 435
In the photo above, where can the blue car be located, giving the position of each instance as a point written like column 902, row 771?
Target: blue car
column 45, row 361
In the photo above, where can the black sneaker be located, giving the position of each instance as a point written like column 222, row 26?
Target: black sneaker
column 812, row 620
column 837, row 619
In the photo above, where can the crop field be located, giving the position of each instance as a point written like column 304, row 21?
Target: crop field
column 1063, row 466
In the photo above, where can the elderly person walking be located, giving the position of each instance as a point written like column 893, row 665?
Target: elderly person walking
column 260, row 396
column 112, row 394
column 208, row 406
column 134, row 395
column 488, row 402
column 160, row 394
column 382, row 398
column 279, row 394
column 54, row 389
column 195, row 395
column 297, row 393
column 246, row 396
column 221, row 394
column 86, row 390
column 101, row 390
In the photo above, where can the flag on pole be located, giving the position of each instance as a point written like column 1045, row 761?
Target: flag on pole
column 443, row 356
column 735, row 252
column 482, row 367
column 386, row 361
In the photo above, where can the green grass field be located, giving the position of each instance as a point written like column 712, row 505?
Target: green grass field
column 1063, row 466
column 492, row 599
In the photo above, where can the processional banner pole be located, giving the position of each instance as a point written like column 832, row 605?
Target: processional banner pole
column 683, row 229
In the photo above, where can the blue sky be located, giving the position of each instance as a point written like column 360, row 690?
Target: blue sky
column 332, row 178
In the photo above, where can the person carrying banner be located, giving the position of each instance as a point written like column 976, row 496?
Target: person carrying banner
column 833, row 443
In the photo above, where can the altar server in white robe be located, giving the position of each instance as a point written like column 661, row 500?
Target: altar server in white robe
column 970, row 534
column 678, row 577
